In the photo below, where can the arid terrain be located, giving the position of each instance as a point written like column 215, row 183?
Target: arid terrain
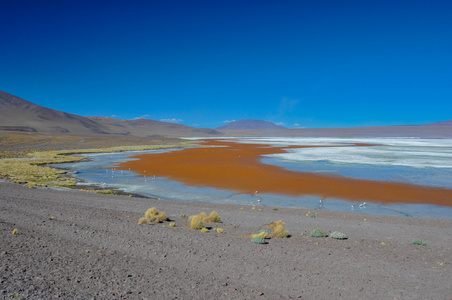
column 80, row 245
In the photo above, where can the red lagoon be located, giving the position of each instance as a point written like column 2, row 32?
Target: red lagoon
column 237, row 166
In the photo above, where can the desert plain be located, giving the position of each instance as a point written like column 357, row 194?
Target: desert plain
column 75, row 244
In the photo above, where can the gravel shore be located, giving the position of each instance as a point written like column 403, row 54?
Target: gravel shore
column 79, row 245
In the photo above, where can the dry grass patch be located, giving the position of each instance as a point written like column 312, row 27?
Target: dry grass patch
column 152, row 215
column 279, row 229
column 214, row 217
column 196, row 222
column 30, row 170
column 151, row 212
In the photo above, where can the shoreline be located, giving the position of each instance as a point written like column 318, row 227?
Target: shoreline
column 94, row 248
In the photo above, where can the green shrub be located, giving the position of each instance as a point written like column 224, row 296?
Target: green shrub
column 318, row 233
column 338, row 235
column 418, row 242
column 259, row 240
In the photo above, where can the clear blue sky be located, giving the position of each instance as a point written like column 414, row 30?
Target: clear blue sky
column 200, row 63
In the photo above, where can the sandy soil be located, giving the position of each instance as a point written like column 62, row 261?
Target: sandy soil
column 94, row 249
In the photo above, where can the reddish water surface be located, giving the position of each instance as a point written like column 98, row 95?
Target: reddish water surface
column 237, row 167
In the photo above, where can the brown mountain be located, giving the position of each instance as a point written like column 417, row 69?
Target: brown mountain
column 252, row 128
column 17, row 114
column 248, row 124
column 443, row 123
column 412, row 131
column 147, row 127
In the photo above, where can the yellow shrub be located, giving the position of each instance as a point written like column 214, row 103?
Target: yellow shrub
column 214, row 217
column 143, row 220
column 161, row 216
column 196, row 222
column 279, row 229
column 151, row 212
column 263, row 234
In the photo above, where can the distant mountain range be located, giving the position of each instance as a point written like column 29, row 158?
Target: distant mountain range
column 248, row 124
column 444, row 123
column 17, row 114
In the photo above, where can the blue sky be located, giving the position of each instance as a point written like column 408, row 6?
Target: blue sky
column 201, row 63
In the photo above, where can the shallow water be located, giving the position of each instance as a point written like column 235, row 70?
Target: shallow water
column 100, row 171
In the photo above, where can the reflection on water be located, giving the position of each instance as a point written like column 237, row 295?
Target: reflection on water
column 100, row 171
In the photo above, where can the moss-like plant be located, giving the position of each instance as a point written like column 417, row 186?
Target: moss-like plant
column 418, row 242
column 318, row 232
column 153, row 220
column 15, row 231
column 219, row 230
column 258, row 240
column 204, row 229
column 172, row 224
column 196, row 223
column 338, row 235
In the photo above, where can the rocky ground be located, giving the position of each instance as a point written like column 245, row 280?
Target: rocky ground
column 79, row 245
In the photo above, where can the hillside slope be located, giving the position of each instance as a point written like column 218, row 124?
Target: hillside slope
column 147, row 127
column 17, row 114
